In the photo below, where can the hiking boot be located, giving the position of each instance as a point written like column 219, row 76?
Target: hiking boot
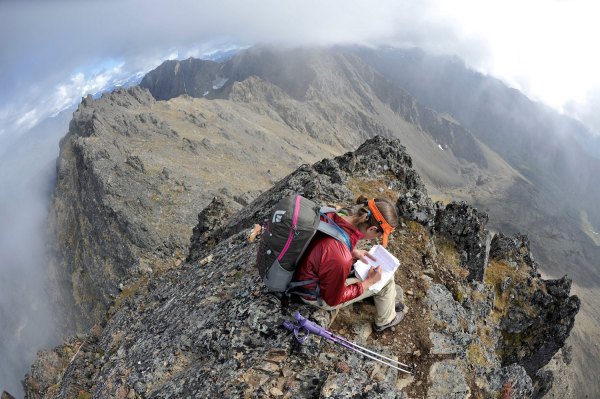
column 397, row 320
column 400, row 307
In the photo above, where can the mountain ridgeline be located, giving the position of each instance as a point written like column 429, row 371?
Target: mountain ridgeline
column 205, row 149
column 314, row 78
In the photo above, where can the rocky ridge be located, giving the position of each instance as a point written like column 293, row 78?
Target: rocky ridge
column 482, row 322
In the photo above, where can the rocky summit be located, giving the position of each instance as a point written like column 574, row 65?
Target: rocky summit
column 481, row 321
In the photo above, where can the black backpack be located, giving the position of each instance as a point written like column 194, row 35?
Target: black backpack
column 285, row 237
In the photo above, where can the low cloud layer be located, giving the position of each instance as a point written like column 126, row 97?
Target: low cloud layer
column 27, row 318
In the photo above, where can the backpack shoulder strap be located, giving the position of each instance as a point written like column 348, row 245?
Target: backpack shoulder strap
column 296, row 287
column 327, row 209
column 331, row 231
column 331, row 228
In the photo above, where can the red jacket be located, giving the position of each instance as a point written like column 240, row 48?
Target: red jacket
column 329, row 261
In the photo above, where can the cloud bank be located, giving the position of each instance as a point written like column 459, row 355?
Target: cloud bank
column 545, row 48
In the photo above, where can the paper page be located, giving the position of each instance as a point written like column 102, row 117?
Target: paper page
column 388, row 262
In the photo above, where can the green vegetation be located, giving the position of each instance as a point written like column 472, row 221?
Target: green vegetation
column 517, row 339
column 447, row 250
column 370, row 188
column 130, row 291
column 414, row 228
column 485, row 335
column 496, row 273
column 84, row 395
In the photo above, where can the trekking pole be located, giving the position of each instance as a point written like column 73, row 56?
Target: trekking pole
column 303, row 327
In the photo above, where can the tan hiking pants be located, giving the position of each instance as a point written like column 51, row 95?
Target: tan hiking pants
column 385, row 301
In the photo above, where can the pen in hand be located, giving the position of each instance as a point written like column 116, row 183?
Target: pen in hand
column 373, row 276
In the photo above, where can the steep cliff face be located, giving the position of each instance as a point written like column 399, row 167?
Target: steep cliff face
column 207, row 328
column 133, row 173
column 100, row 208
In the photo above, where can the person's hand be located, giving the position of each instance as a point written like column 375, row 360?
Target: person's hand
column 362, row 255
column 373, row 276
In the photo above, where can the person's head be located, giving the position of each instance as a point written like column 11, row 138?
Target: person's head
column 374, row 217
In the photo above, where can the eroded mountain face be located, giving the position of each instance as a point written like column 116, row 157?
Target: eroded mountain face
column 208, row 328
column 543, row 145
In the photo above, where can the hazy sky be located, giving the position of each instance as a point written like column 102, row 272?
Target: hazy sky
column 53, row 52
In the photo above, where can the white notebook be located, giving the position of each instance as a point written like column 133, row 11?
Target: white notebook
column 388, row 262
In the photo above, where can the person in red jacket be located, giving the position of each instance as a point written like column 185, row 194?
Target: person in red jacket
column 329, row 261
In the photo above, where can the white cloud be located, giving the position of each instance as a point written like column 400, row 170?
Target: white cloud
column 544, row 47
column 587, row 110
column 28, row 120
column 35, row 107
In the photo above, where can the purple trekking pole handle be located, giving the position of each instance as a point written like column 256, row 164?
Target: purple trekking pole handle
column 288, row 325
column 310, row 326
column 306, row 325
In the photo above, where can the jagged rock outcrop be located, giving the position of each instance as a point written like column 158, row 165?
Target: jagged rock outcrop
column 192, row 77
column 537, row 315
column 416, row 205
column 383, row 165
column 466, row 226
column 533, row 314
column 210, row 220
column 207, row 328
